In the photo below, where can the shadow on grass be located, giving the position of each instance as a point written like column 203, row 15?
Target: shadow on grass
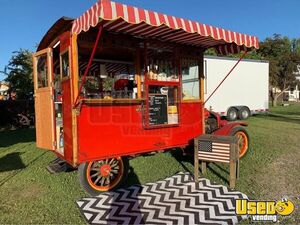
column 212, row 167
column 280, row 118
column 132, row 178
column 286, row 113
column 7, row 163
column 180, row 158
column 11, row 161
column 12, row 137
column 219, row 175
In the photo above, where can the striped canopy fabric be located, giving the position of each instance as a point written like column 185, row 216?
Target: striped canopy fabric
column 131, row 20
column 111, row 68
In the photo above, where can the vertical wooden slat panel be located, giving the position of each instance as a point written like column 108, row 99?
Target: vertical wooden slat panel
column 75, row 75
column 201, row 88
column 75, row 78
column 138, row 71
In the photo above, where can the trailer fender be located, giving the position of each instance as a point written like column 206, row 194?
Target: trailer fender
column 225, row 130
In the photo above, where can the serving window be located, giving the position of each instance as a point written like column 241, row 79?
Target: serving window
column 112, row 74
column 155, row 74
column 161, row 66
column 110, row 80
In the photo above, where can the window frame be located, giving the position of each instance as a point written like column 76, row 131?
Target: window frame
column 66, row 51
column 199, row 79
column 43, row 54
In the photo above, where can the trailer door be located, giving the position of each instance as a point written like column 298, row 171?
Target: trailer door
column 44, row 100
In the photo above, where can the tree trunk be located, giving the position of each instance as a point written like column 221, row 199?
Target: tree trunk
column 272, row 97
column 275, row 98
column 278, row 95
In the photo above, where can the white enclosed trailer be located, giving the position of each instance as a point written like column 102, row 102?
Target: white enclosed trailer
column 245, row 91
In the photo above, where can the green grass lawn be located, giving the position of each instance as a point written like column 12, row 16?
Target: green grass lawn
column 29, row 194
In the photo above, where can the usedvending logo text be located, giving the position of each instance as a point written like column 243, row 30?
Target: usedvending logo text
column 264, row 210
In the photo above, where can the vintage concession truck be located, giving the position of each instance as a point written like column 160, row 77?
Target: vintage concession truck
column 108, row 86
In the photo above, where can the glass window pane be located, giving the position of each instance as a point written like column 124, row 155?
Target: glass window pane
column 161, row 65
column 190, row 71
column 42, row 71
column 190, row 90
column 65, row 64
column 190, row 80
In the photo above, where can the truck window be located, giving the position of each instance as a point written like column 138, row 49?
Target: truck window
column 42, row 71
column 190, row 79
column 65, row 64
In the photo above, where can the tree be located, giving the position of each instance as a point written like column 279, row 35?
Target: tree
column 20, row 71
column 283, row 56
column 250, row 55
column 296, row 45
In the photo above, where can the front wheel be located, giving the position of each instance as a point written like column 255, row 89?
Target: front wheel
column 243, row 140
column 103, row 175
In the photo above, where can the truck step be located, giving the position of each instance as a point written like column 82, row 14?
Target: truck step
column 57, row 166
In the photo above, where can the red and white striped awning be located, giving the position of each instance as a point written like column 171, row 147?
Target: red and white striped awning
column 131, row 20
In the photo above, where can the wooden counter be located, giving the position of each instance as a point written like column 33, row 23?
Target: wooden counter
column 92, row 101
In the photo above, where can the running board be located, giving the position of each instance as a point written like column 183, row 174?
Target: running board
column 57, row 166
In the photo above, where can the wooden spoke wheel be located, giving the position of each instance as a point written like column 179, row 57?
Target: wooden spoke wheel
column 243, row 140
column 103, row 175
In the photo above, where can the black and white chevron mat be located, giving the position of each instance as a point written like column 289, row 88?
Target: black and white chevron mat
column 174, row 200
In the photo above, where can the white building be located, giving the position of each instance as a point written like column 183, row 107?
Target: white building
column 4, row 87
column 293, row 94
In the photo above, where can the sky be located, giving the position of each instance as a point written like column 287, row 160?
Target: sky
column 23, row 23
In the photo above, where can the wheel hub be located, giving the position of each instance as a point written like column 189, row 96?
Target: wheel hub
column 105, row 170
column 232, row 115
column 104, row 175
column 245, row 114
column 242, row 143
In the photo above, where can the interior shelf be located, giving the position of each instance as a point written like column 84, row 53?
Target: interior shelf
column 162, row 83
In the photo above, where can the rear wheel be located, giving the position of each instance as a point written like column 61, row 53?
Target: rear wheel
column 232, row 114
column 243, row 140
column 103, row 175
column 244, row 113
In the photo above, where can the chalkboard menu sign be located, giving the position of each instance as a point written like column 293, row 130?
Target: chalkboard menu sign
column 158, row 109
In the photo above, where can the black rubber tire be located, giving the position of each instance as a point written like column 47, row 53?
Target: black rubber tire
column 244, row 113
column 232, row 114
column 242, row 129
column 82, row 169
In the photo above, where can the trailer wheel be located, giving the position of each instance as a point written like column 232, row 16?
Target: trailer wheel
column 103, row 175
column 244, row 113
column 243, row 139
column 232, row 114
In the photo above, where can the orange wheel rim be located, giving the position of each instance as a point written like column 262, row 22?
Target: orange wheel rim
column 242, row 142
column 105, row 174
